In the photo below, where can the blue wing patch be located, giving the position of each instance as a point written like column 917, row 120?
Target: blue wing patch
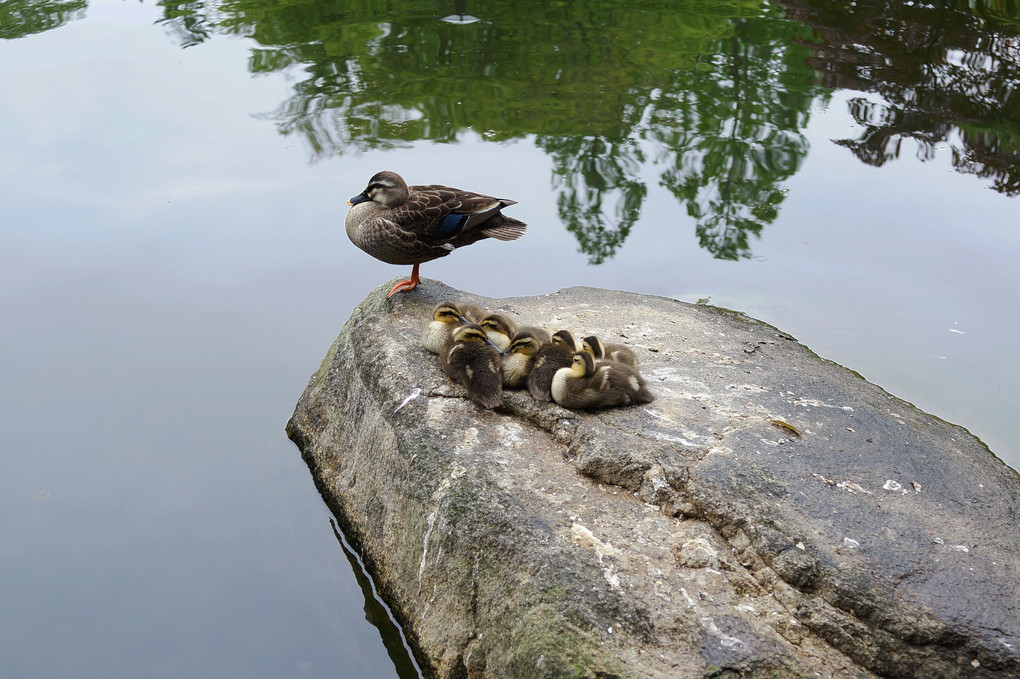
column 451, row 226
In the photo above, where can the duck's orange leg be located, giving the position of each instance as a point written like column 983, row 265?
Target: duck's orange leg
column 409, row 284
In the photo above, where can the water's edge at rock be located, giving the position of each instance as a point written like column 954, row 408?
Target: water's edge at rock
column 695, row 536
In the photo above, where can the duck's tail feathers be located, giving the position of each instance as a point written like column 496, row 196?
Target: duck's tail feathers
column 507, row 229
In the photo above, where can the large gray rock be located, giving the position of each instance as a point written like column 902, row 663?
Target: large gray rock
column 695, row 536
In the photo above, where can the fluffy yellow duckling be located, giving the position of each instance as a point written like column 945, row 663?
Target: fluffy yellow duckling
column 520, row 355
column 612, row 352
column 475, row 363
column 551, row 357
column 588, row 383
column 446, row 317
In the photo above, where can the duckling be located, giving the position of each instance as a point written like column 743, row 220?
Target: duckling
column 472, row 312
column 401, row 224
column 588, row 383
column 500, row 329
column 520, row 355
column 446, row 316
column 612, row 352
column 551, row 357
column 474, row 362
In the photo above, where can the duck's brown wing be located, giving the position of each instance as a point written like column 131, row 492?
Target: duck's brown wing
column 441, row 214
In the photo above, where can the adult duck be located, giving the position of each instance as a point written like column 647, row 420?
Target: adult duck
column 401, row 224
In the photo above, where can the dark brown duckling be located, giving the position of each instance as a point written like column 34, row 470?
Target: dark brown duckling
column 588, row 383
column 610, row 352
column 557, row 354
column 475, row 363
column 520, row 355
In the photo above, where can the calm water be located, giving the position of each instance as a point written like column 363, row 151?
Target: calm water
column 173, row 267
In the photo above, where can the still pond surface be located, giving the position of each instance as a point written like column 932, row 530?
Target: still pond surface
column 173, row 265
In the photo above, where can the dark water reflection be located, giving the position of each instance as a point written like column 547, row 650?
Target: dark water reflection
column 379, row 614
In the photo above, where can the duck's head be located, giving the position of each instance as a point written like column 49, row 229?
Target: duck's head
column 448, row 312
column 472, row 332
column 387, row 188
column 525, row 343
column 565, row 338
column 593, row 345
column 582, row 365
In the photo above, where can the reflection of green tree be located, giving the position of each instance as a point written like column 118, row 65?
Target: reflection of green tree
column 589, row 171
column 21, row 18
column 737, row 135
column 582, row 77
column 599, row 85
column 186, row 21
column 947, row 73
column 714, row 94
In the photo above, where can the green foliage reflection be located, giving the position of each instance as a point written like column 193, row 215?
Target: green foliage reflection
column 21, row 18
column 709, row 98
column 948, row 74
column 602, row 87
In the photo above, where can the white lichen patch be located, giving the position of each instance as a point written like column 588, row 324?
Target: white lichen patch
column 431, row 523
column 581, row 536
column 853, row 488
column 659, row 436
column 725, row 640
column 956, row 548
column 612, row 578
column 815, row 403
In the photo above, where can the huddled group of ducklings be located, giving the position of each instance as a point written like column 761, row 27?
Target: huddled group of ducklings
column 487, row 352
